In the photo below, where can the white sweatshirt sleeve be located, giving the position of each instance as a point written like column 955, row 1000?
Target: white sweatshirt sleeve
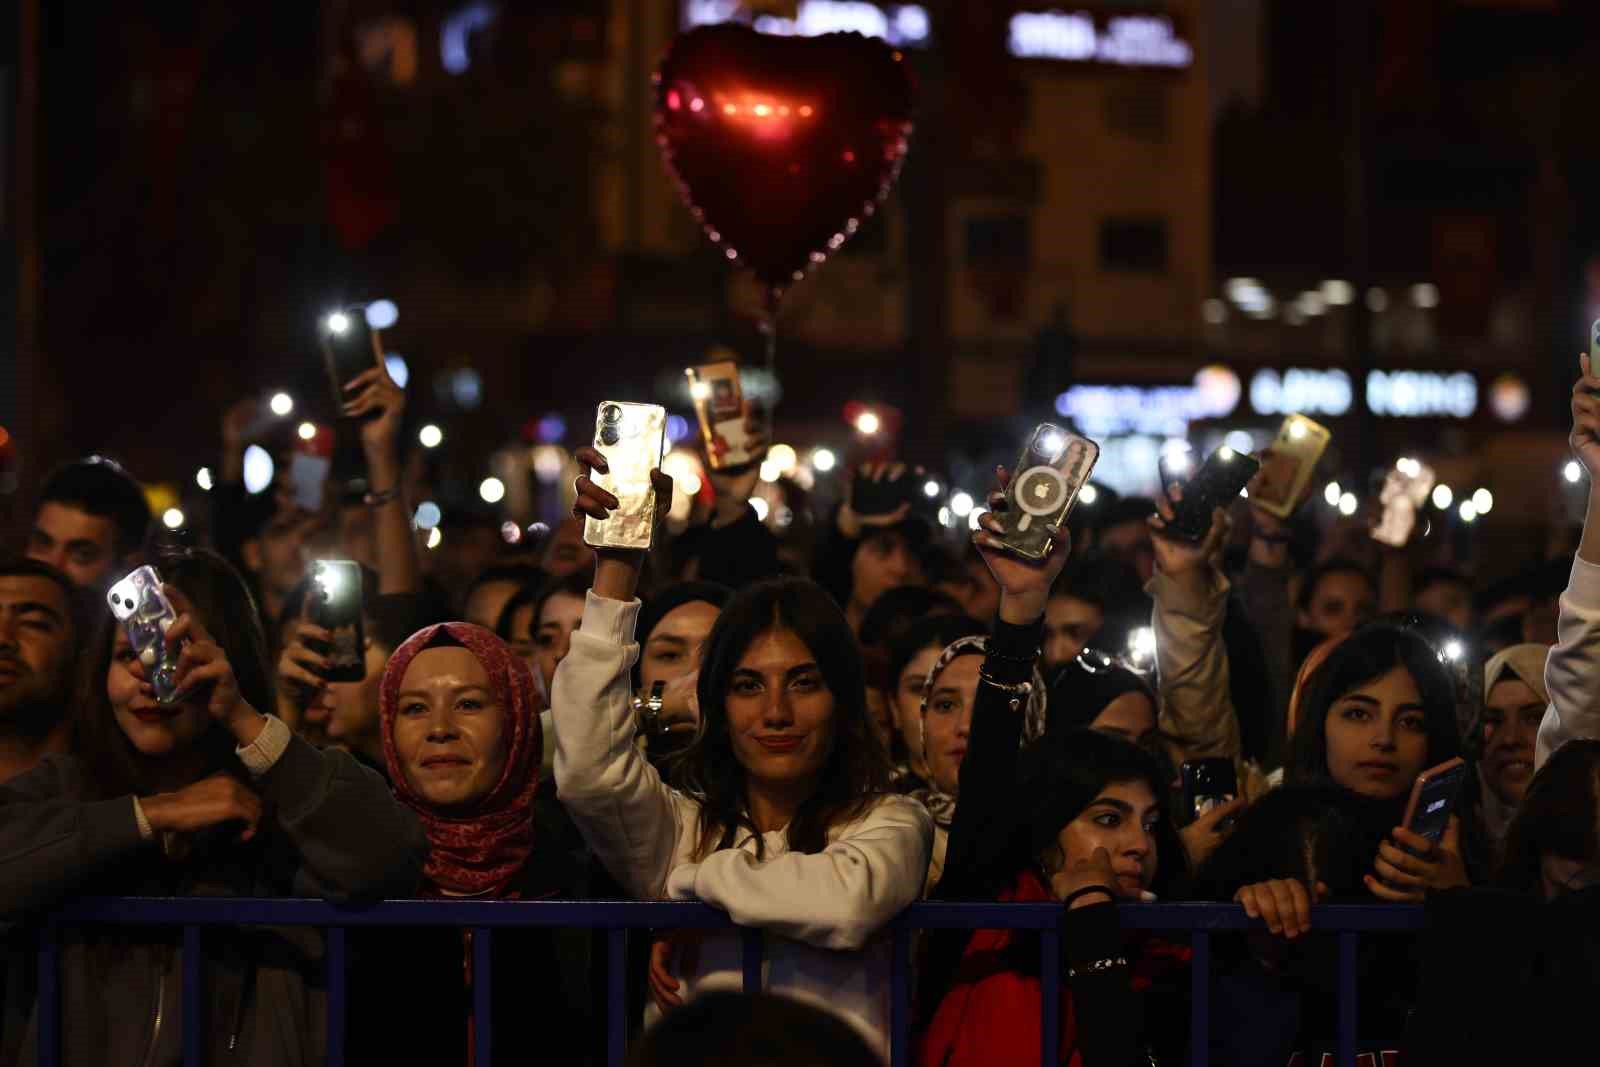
column 626, row 813
column 837, row 898
column 1572, row 673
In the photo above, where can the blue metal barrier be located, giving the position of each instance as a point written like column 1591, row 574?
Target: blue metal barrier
column 482, row 917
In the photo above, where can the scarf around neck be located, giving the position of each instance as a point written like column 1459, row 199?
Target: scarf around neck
column 480, row 851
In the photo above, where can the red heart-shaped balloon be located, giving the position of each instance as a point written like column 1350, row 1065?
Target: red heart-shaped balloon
column 782, row 145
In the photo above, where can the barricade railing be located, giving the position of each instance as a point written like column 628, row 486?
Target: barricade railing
column 1346, row 922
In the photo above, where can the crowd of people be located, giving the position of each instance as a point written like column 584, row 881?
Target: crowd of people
column 810, row 742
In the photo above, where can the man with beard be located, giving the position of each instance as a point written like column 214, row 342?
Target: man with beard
column 41, row 630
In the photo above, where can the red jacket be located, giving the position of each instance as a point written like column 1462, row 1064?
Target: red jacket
column 991, row 1015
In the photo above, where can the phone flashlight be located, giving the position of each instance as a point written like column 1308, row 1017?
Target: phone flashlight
column 1225, row 454
column 1297, row 430
column 338, row 322
column 1050, row 445
column 331, row 581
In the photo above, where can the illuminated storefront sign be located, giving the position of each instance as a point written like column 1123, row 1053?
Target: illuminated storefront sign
column 1114, row 40
column 1405, row 394
column 1110, row 410
column 1134, row 40
column 902, row 25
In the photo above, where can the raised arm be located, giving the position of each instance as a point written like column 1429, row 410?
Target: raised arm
column 626, row 813
column 1572, row 672
column 1191, row 599
column 837, row 898
column 399, row 567
column 982, row 829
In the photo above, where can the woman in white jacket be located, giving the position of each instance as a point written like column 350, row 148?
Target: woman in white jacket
column 783, row 818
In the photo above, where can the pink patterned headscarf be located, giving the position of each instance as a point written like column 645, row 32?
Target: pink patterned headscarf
column 480, row 852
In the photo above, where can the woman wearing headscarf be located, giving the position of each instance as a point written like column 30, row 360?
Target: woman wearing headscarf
column 461, row 737
column 949, row 698
column 1514, row 701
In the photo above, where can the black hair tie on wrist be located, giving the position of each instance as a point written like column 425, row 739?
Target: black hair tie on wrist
column 1085, row 891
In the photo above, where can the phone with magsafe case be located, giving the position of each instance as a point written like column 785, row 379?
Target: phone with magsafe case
column 1054, row 466
column 146, row 614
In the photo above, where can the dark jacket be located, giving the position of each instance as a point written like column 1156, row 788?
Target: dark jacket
column 1107, row 1026
column 329, row 828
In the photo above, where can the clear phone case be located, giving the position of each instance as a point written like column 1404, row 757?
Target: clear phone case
column 1053, row 468
column 1405, row 490
column 145, row 613
column 632, row 438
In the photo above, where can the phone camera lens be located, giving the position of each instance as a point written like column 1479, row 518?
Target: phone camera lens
column 609, row 435
column 610, row 414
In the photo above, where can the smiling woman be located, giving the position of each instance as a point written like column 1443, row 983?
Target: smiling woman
column 206, row 796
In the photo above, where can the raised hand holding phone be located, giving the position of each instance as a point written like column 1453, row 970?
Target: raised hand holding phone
column 1585, row 441
column 1024, row 581
column 1179, row 558
column 616, row 569
column 203, row 667
column 1409, row 866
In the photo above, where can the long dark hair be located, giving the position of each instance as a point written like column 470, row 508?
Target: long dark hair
column 856, row 772
column 223, row 603
column 1559, row 815
column 1366, row 655
column 1062, row 773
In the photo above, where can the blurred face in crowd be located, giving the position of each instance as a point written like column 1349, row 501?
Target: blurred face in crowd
column 487, row 600
column 353, row 721
column 567, row 553
column 1122, row 820
column 1511, row 716
column 1377, row 736
column 276, row 556
column 1129, row 542
column 155, row 730
column 36, row 643
column 450, row 732
column 947, row 723
column 1131, row 716
column 885, row 559
column 906, row 698
column 1069, row 624
column 520, row 637
column 780, row 713
column 1451, row 601
column 1342, row 603
column 673, row 648
column 559, row 617
column 80, row 545
column 975, row 589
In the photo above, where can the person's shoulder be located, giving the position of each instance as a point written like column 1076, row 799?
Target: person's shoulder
column 61, row 775
column 889, row 809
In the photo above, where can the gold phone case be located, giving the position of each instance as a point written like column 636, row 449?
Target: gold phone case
column 1294, row 456
column 719, row 405
column 632, row 438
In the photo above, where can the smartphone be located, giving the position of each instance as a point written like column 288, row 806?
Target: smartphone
column 1433, row 799
column 145, row 613
column 1208, row 784
column 349, row 347
column 1215, row 485
column 632, row 438
column 309, row 467
column 1053, row 468
column 720, row 406
column 1287, row 467
column 1594, row 346
column 334, row 603
column 883, row 496
column 1405, row 490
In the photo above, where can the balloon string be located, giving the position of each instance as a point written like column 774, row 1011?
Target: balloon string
column 769, row 327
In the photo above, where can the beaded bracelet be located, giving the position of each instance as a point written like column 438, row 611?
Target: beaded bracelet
column 1097, row 967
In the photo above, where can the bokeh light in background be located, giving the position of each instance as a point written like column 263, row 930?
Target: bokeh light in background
column 258, row 469
column 677, row 428
column 172, row 519
column 427, row 515
column 1443, row 496
column 466, row 388
column 548, row 461
column 435, row 538
column 307, row 431
column 399, row 372
column 202, row 478
column 552, row 427
column 823, row 460
column 382, row 314
column 430, row 436
column 492, row 490
column 282, row 405
column 688, row 477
